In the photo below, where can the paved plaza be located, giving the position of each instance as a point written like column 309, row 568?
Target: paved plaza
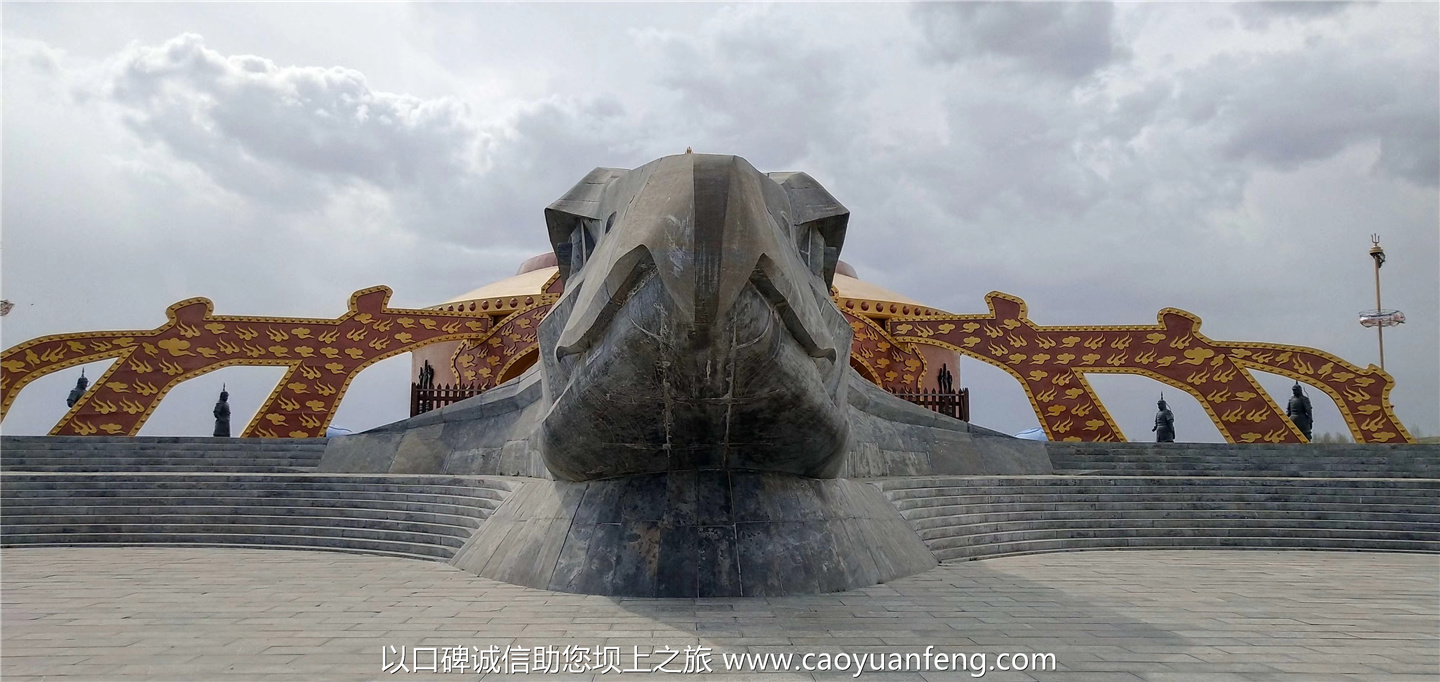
column 223, row 614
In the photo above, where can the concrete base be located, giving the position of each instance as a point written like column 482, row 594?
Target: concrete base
column 891, row 437
column 488, row 435
column 696, row 534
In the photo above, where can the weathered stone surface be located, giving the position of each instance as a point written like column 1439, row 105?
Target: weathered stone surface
column 489, row 434
column 890, row 437
column 696, row 534
column 494, row 434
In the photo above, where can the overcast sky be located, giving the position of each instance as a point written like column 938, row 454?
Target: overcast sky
column 1102, row 162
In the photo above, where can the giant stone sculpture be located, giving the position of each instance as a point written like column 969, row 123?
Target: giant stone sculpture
column 696, row 330
column 693, row 425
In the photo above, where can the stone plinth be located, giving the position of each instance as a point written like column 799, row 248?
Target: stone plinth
column 696, row 534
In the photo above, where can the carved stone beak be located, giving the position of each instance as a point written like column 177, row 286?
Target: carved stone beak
column 703, row 225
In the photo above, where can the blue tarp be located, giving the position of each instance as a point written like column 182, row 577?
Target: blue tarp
column 1036, row 433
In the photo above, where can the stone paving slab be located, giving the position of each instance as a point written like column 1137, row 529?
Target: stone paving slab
column 1160, row 616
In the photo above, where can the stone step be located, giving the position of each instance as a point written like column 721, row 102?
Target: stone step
column 171, row 526
column 13, row 443
column 413, row 494
column 1211, row 459
column 13, row 456
column 351, row 545
column 310, row 498
column 1168, row 510
column 939, row 482
column 188, row 451
column 391, row 479
column 19, row 482
column 964, row 534
column 1127, row 492
column 980, row 493
column 1337, row 500
column 19, row 463
column 1255, row 449
column 158, row 454
column 1416, row 520
column 453, row 504
column 1067, row 544
column 1309, row 470
column 1183, row 488
column 1041, row 533
column 1200, row 458
column 976, row 517
column 13, row 488
column 157, row 441
column 345, row 516
column 406, row 515
column 238, row 468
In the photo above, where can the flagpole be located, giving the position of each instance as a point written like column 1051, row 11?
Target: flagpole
column 1378, row 254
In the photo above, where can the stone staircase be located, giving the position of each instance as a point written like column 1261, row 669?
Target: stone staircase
column 977, row 517
column 1314, row 460
column 246, row 492
column 424, row 517
column 156, row 454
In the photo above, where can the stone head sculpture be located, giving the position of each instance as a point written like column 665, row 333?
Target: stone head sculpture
column 696, row 328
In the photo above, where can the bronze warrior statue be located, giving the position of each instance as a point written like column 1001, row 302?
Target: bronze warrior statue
column 75, row 393
column 1164, row 423
column 1299, row 411
column 222, row 415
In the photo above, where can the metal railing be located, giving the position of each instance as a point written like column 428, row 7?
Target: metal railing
column 426, row 398
column 951, row 404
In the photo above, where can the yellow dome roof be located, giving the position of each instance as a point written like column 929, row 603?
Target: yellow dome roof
column 524, row 284
column 513, row 293
column 849, row 287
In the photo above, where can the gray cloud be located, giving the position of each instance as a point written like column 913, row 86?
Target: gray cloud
column 298, row 137
column 1259, row 15
column 1070, row 40
column 1297, row 107
column 265, row 130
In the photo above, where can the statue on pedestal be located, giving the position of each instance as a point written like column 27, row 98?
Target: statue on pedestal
column 1299, row 411
column 1164, row 423
column 222, row 415
column 79, row 390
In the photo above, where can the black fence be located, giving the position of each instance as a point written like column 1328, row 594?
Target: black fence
column 426, row 398
column 949, row 403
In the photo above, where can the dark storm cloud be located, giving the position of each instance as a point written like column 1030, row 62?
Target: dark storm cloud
column 1070, row 40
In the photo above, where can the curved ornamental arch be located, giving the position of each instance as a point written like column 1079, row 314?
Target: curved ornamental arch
column 324, row 355
column 1051, row 364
